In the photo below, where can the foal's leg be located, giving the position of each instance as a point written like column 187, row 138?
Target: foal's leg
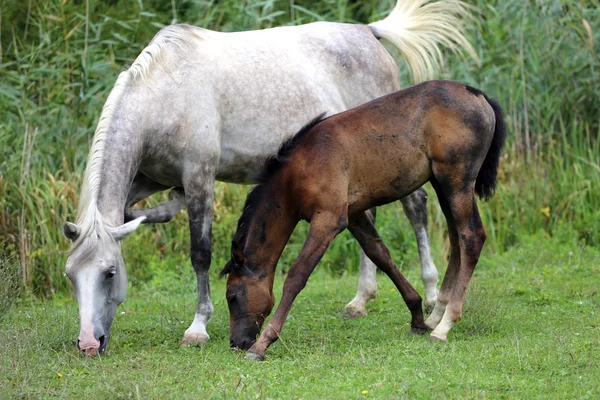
column 471, row 236
column 415, row 208
column 199, row 194
column 324, row 227
column 453, row 263
column 365, row 233
column 367, row 282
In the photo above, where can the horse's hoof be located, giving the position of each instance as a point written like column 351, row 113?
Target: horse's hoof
column 194, row 339
column 353, row 312
column 435, row 338
column 254, row 357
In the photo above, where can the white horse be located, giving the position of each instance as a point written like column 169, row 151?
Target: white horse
column 198, row 105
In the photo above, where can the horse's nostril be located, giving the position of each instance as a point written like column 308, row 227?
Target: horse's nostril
column 102, row 340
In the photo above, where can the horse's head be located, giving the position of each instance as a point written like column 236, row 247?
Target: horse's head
column 96, row 268
column 249, row 297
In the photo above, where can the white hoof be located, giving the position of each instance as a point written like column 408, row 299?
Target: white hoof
column 253, row 357
column 194, row 338
column 355, row 310
column 438, row 338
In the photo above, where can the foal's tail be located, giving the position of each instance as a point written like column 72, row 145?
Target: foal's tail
column 485, row 184
column 417, row 27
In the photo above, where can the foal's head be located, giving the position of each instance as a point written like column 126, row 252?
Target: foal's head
column 249, row 297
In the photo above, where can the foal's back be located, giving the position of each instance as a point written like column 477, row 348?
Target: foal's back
column 384, row 150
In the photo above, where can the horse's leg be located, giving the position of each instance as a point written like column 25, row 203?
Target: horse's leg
column 324, row 227
column 415, row 208
column 161, row 213
column 367, row 282
column 199, row 194
column 453, row 263
column 471, row 236
column 366, row 234
column 142, row 187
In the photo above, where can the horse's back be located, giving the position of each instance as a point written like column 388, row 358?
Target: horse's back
column 237, row 96
column 273, row 81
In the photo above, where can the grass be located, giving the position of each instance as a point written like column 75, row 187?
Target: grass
column 531, row 330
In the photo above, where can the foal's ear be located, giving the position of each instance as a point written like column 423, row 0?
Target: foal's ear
column 121, row 232
column 237, row 254
column 71, row 231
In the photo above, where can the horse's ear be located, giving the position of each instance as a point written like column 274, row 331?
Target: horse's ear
column 237, row 254
column 71, row 231
column 121, row 232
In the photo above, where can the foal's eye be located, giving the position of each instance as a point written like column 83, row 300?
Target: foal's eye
column 232, row 298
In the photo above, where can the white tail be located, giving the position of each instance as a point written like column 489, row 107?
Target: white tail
column 418, row 27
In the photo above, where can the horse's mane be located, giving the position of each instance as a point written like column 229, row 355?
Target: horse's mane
column 92, row 224
column 270, row 167
column 89, row 219
column 176, row 35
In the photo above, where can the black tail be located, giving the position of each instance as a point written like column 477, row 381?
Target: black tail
column 485, row 185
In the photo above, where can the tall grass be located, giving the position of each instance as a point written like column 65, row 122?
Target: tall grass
column 59, row 60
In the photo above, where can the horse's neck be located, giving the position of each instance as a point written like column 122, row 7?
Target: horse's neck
column 118, row 170
column 120, row 164
column 117, row 164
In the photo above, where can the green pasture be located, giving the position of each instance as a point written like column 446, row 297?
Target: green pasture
column 531, row 330
column 532, row 325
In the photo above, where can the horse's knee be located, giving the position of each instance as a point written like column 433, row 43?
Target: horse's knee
column 201, row 252
column 415, row 207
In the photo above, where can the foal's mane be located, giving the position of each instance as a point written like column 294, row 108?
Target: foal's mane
column 271, row 166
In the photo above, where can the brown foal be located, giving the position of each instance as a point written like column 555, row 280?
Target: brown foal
column 335, row 169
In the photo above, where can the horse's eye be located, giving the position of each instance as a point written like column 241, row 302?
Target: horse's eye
column 232, row 298
column 110, row 273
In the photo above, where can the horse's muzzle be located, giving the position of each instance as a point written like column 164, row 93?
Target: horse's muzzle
column 94, row 350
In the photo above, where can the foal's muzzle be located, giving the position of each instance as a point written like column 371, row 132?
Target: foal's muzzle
column 243, row 344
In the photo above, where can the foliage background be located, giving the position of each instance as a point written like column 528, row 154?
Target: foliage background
column 60, row 58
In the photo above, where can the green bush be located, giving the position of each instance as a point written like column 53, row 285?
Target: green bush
column 60, row 60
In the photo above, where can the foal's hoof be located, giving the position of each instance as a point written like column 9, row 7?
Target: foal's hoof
column 414, row 330
column 194, row 339
column 254, row 357
column 435, row 338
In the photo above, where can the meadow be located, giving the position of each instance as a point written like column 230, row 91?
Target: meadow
column 532, row 328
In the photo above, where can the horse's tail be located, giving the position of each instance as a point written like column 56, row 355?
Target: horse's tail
column 417, row 27
column 485, row 184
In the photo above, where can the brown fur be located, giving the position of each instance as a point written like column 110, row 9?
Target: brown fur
column 371, row 155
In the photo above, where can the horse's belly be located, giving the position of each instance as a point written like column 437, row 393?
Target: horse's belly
column 165, row 176
column 239, row 168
